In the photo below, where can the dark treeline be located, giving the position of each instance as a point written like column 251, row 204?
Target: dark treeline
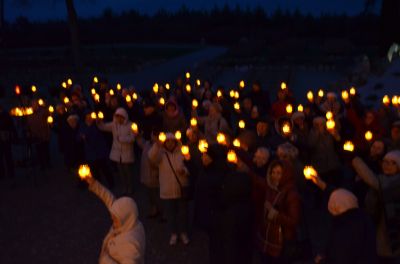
column 218, row 26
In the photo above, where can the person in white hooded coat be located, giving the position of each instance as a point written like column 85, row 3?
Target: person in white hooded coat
column 125, row 242
column 122, row 147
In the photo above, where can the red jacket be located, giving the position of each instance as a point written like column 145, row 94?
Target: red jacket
column 286, row 200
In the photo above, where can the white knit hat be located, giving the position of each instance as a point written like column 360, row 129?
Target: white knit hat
column 340, row 201
column 393, row 155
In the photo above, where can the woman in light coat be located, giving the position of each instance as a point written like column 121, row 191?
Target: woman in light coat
column 173, row 176
column 122, row 147
column 125, row 242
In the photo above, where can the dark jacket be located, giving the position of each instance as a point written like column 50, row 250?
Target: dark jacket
column 352, row 239
column 94, row 142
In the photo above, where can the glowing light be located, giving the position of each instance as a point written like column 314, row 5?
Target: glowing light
column 95, row 79
column 348, row 146
column 310, row 96
column 185, row 150
column 162, row 137
column 236, row 143
column 330, row 124
column 283, row 86
column 119, row 87
column 51, row 109
column 232, row 157
column 386, row 100
column 221, row 139
column 69, row 81
column 329, row 115
column 66, row 100
column 187, row 75
column 93, row 91
column 309, row 172
column 242, row 124
column 93, row 115
column 321, row 93
column 241, row 84
column 155, row 88
column 100, row 115
column 368, row 135
column 353, row 91
column 300, row 108
column 84, row 171
column 50, row 120
column 161, row 101
column 178, row 135
column 289, row 109
column 188, row 88
column 345, row 95
column 135, row 128
column 193, row 122
column 33, row 89
column 41, row 102
column 128, row 98
column 203, row 145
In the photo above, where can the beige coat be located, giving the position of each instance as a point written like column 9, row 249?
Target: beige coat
column 125, row 245
column 169, row 187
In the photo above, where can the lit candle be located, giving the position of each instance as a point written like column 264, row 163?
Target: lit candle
column 161, row 101
column 51, row 109
column 119, row 87
column 330, row 124
column 345, row 95
column 289, row 109
column 236, row 106
column 66, row 100
column 111, row 92
column 286, row 128
column 242, row 124
column 128, row 98
column 219, row 94
column 329, row 115
column 97, row 98
column 386, row 100
column 283, row 86
column 95, row 79
column 221, row 139
column 348, row 146
column 17, row 90
column 198, row 82
column 134, row 96
column 321, row 93
column 395, row 100
column 33, row 88
column 93, row 91
column 93, row 115
column 368, row 135
column 185, row 150
column 167, row 86
column 41, row 102
column 203, row 145
column 236, row 143
column 50, row 120
column 64, row 84
column 195, row 103
column 300, row 108
column 188, row 88
column 353, row 91
column 232, row 157
column 69, row 81
column 84, row 171
column 162, row 137
column 237, row 95
column 178, row 135
column 310, row 96
column 193, row 122
column 187, row 75
column 241, row 84
column 155, row 88
column 232, row 93
column 309, row 172
column 100, row 115
column 134, row 128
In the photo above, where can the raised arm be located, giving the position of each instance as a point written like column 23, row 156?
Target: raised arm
column 155, row 154
column 105, row 126
column 102, row 192
column 365, row 173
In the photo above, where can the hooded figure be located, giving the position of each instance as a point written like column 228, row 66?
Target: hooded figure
column 352, row 237
column 122, row 147
column 125, row 242
column 278, row 209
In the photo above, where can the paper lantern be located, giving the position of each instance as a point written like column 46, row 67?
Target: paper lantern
column 232, row 93
column 237, row 95
column 134, row 96
column 395, row 100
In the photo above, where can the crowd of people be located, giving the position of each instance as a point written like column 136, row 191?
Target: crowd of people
column 238, row 156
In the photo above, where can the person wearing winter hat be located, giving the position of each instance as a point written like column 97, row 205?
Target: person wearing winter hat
column 173, row 118
column 122, row 147
column 352, row 235
column 126, row 239
column 173, row 178
column 383, row 201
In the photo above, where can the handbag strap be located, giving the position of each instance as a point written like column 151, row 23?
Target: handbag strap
column 173, row 170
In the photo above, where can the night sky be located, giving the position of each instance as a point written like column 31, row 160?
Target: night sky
column 40, row 10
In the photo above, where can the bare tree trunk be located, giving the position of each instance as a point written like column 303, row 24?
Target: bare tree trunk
column 1, row 14
column 73, row 28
